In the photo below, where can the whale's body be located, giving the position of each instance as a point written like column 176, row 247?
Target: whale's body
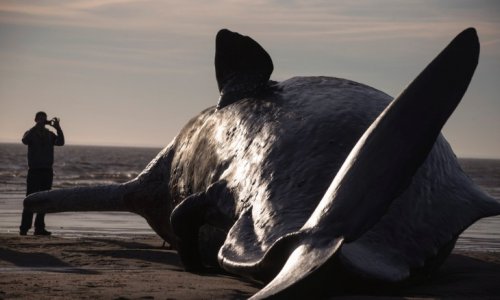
column 261, row 184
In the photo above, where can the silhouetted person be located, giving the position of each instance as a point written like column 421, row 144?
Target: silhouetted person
column 40, row 143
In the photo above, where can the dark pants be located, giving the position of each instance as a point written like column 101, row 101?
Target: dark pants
column 37, row 180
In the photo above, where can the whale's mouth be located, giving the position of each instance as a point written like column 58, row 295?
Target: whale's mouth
column 95, row 198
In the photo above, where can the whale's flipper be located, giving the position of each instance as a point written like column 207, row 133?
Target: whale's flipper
column 383, row 162
column 242, row 67
column 211, row 207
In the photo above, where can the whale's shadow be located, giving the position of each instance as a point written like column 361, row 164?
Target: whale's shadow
column 464, row 275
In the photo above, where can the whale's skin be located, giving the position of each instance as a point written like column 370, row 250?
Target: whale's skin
column 277, row 156
column 242, row 178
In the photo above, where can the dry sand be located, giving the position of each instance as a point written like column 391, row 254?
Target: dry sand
column 139, row 268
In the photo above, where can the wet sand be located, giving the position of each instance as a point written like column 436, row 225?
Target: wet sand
column 138, row 267
column 104, row 268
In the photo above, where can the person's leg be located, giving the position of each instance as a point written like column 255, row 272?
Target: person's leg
column 46, row 177
column 32, row 185
column 26, row 221
column 39, row 222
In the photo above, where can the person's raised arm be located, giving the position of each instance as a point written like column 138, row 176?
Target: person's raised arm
column 59, row 141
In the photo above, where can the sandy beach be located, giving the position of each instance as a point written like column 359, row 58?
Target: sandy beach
column 138, row 267
column 104, row 268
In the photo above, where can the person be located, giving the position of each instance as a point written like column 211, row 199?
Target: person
column 40, row 143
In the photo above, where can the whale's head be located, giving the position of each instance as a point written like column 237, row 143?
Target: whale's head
column 297, row 182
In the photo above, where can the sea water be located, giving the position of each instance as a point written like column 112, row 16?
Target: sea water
column 74, row 166
column 93, row 165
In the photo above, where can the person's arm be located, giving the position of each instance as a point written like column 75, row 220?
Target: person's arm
column 27, row 136
column 59, row 141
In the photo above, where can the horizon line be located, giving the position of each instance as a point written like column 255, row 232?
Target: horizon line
column 161, row 147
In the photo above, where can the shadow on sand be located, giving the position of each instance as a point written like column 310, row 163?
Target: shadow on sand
column 461, row 277
column 40, row 262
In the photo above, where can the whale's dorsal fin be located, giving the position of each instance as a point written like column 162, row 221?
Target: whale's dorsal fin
column 242, row 67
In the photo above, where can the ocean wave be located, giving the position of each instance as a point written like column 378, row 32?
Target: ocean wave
column 75, row 166
column 83, row 183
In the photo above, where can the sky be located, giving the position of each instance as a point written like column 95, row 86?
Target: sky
column 133, row 72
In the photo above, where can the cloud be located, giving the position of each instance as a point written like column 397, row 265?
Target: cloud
column 346, row 20
column 180, row 28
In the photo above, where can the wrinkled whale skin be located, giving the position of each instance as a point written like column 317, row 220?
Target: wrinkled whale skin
column 268, row 153
column 277, row 156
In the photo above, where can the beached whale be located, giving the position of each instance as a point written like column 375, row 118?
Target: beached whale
column 302, row 183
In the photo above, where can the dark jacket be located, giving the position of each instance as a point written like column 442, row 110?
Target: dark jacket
column 41, row 143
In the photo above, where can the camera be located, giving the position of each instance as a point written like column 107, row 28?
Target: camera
column 52, row 121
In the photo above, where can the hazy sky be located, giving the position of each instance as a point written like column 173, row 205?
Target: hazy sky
column 133, row 72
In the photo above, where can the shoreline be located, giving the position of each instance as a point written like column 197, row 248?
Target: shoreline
column 137, row 267
column 482, row 236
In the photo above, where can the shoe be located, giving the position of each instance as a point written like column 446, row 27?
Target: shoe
column 23, row 232
column 42, row 232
